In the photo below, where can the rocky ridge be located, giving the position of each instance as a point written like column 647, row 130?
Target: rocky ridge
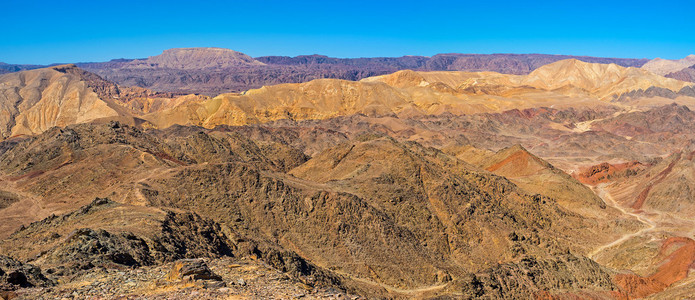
column 685, row 74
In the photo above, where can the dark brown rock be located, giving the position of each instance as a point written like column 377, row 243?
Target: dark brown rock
column 15, row 274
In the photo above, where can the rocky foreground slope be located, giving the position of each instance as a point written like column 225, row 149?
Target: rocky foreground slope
column 447, row 227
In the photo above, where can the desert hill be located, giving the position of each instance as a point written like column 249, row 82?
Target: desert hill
column 535, row 174
column 665, row 66
column 661, row 186
column 578, row 117
column 598, row 79
column 367, row 179
column 365, row 187
column 654, row 124
column 567, row 77
column 657, row 194
column 36, row 100
column 654, row 191
column 33, row 101
column 212, row 71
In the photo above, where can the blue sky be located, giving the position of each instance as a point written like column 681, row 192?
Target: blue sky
column 43, row 32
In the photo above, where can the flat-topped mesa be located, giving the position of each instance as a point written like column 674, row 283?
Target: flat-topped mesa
column 196, row 59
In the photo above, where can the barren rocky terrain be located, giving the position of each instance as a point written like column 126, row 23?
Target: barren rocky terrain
column 565, row 180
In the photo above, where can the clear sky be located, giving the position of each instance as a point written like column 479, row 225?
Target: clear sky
column 42, row 32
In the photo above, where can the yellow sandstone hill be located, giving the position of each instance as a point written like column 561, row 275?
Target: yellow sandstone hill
column 600, row 80
column 317, row 99
column 409, row 93
column 34, row 101
column 566, row 77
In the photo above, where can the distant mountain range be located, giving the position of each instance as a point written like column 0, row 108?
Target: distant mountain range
column 9, row 68
column 212, row 71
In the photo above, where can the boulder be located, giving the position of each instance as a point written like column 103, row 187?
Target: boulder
column 191, row 269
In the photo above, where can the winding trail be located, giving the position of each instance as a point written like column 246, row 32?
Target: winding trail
column 586, row 125
column 675, row 259
column 393, row 289
column 608, row 199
